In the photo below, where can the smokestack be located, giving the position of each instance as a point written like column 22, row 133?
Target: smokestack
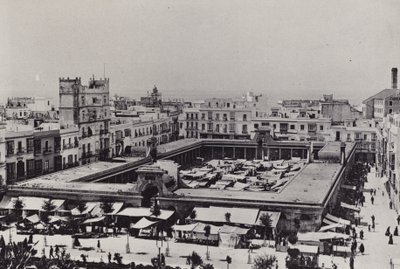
column 394, row 78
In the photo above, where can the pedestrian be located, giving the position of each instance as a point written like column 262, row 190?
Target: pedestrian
column 369, row 227
column 390, row 204
column 57, row 251
column 351, row 262
column 98, row 246
column 390, row 239
column 362, row 249
column 387, row 233
column 63, row 253
column 109, row 257
column 51, row 256
column 398, row 220
column 372, row 199
column 373, row 219
column 371, row 192
column 362, row 234
column 373, row 226
column 374, row 192
column 383, row 193
column 396, row 231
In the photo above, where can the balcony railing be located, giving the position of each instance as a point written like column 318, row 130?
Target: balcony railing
column 20, row 151
column 103, row 132
column 87, row 154
column 10, row 153
column 47, row 150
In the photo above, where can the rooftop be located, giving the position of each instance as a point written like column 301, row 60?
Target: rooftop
column 314, row 178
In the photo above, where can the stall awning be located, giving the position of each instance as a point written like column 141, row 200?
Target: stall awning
column 274, row 216
column 32, row 203
column 336, row 219
column 144, row 223
column 54, row 219
column 329, row 222
column 349, row 187
column 184, row 228
column 200, row 228
column 233, row 230
column 94, row 220
column 217, row 214
column 330, row 227
column 116, row 207
column 33, row 219
column 306, row 249
column 318, row 236
column 145, row 212
column 89, row 207
column 348, row 206
column 5, row 202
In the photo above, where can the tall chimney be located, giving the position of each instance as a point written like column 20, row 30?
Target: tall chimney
column 394, row 78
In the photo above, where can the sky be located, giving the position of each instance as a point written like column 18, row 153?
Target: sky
column 201, row 49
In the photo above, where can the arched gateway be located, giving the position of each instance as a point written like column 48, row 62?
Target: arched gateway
column 151, row 182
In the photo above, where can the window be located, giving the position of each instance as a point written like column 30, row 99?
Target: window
column 20, row 146
column 302, row 127
column 203, row 116
column 292, row 127
column 244, row 129
column 321, row 127
column 390, row 111
column 203, row 127
column 245, row 117
column 390, row 103
column 365, row 137
column 265, row 124
column 256, row 125
column 274, row 126
column 46, row 166
column 217, row 116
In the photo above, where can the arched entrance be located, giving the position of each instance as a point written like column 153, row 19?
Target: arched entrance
column 149, row 192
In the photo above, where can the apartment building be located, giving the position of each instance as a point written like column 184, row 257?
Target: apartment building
column 387, row 156
column 384, row 102
column 69, row 138
column 88, row 107
column 223, row 118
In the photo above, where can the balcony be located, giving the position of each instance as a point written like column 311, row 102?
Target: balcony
column 87, row 154
column 21, row 151
column 30, row 150
column 47, row 150
column 10, row 153
column 103, row 132
column 68, row 146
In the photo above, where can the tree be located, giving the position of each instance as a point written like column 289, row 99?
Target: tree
column 18, row 207
column 195, row 259
column 266, row 220
column 297, row 223
column 106, row 207
column 47, row 207
column 228, row 217
column 207, row 230
column 228, row 261
column 264, row 261
column 16, row 255
column 292, row 238
column 193, row 215
column 81, row 206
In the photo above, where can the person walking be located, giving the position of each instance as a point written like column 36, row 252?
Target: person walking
column 373, row 219
column 398, row 220
column 362, row 235
column 372, row 199
column 361, row 248
column 351, row 262
column 390, row 240
column 98, row 246
column 57, row 251
column 387, row 233
column 374, row 192
column 396, row 231
column 390, row 204
column 109, row 257
column 51, row 256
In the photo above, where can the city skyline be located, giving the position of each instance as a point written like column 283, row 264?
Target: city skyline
column 194, row 50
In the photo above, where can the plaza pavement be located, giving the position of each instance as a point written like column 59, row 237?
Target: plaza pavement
column 377, row 251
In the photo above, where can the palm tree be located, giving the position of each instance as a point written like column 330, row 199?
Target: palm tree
column 207, row 230
column 47, row 207
column 228, row 217
column 195, row 259
column 264, row 261
column 18, row 207
column 193, row 215
column 265, row 220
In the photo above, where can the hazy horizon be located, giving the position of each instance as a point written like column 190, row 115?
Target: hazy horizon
column 200, row 49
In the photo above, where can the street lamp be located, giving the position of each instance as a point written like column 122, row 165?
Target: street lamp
column 128, row 249
column 159, row 244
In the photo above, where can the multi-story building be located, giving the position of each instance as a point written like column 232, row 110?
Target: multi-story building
column 130, row 137
column 296, row 128
column 224, row 118
column 69, row 146
column 47, row 147
column 388, row 152
column 384, row 102
column 20, row 163
column 87, row 107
